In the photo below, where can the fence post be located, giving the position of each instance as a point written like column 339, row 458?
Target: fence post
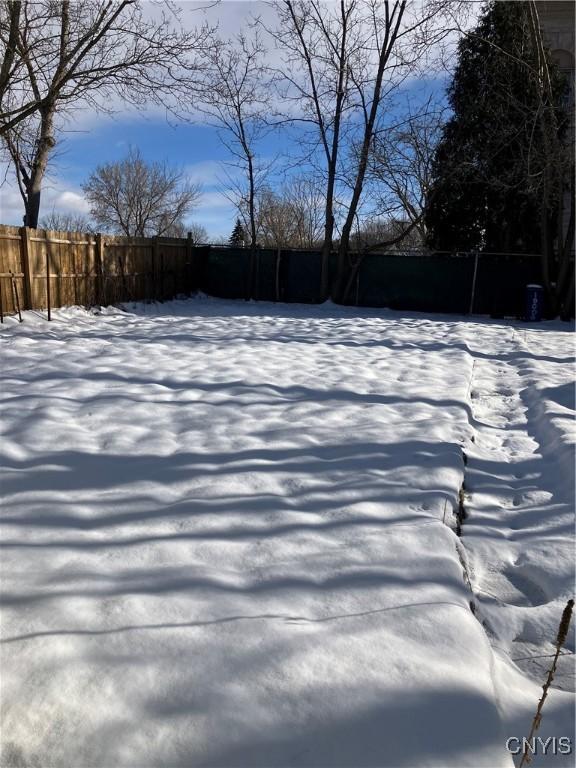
column 98, row 259
column 25, row 260
column 162, row 280
column 48, row 297
column 153, row 270
column 256, row 289
column 278, row 257
column 473, row 292
column 250, row 276
column 189, row 264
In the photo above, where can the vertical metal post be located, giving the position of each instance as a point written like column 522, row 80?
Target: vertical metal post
column 257, row 276
column 278, row 257
column 473, row 292
column 189, row 244
column 73, row 254
column 250, row 275
column 1, row 303
column 48, row 281
column 154, row 260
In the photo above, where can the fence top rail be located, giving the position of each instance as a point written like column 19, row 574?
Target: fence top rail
column 484, row 253
column 149, row 243
column 10, row 232
column 63, row 242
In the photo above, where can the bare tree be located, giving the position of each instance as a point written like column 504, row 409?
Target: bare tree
column 384, row 234
column 399, row 175
column 290, row 216
column 198, row 232
column 235, row 97
column 305, row 197
column 140, row 199
column 60, row 55
column 400, row 167
column 319, row 43
column 343, row 63
column 275, row 220
column 66, row 222
column 13, row 70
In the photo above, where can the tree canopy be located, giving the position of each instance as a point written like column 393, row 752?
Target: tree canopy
column 489, row 168
column 238, row 236
column 140, row 199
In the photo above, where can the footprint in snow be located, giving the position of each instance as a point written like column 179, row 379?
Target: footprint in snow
column 531, row 497
column 529, row 592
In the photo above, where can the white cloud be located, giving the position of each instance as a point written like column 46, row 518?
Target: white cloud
column 11, row 205
column 214, row 212
column 71, row 202
column 207, row 172
column 58, row 194
column 212, row 200
column 217, row 224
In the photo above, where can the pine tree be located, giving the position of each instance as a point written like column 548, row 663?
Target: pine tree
column 490, row 164
column 238, row 237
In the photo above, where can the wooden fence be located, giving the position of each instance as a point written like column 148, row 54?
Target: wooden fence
column 43, row 269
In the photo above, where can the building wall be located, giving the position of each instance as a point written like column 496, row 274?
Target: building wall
column 557, row 21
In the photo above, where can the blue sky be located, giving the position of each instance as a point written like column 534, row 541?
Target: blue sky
column 194, row 148
column 90, row 139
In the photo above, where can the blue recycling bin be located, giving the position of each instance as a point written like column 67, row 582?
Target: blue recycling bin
column 534, row 302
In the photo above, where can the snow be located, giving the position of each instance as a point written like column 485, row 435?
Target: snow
column 228, row 536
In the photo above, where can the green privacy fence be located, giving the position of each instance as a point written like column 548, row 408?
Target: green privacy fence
column 277, row 274
column 458, row 283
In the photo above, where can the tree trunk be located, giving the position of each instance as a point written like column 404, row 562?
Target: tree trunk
column 352, row 277
column 392, row 29
column 325, row 270
column 330, row 149
column 13, row 9
column 329, row 211
column 45, row 145
column 251, row 212
column 565, row 282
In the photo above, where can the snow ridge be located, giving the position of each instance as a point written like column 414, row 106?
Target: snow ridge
column 519, row 535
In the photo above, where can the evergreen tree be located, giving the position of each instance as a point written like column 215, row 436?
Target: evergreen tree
column 490, row 165
column 238, row 236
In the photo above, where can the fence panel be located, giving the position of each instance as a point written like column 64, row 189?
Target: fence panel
column 418, row 283
column 266, row 274
column 301, row 276
column 227, row 273
column 502, row 281
column 77, row 268
column 12, row 286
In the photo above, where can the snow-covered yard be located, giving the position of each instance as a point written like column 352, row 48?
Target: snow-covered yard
column 229, row 537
